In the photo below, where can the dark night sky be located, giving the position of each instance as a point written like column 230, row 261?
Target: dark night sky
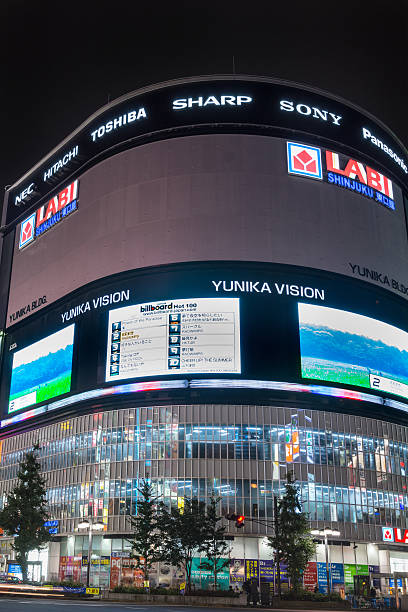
column 61, row 60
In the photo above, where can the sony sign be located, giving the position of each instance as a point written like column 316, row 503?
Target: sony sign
column 310, row 111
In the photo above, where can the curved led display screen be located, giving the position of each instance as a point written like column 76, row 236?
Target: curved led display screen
column 42, row 370
column 255, row 322
column 352, row 349
column 174, row 337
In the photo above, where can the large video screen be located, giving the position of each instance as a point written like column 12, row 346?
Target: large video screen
column 345, row 347
column 42, row 370
column 174, row 337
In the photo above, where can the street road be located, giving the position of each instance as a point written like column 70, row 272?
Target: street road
column 19, row 604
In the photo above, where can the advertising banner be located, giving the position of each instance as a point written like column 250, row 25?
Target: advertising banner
column 267, row 570
column 310, row 576
column 237, row 571
column 322, row 577
column 205, row 578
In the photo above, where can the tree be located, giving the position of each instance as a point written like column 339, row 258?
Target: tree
column 183, row 533
column 215, row 547
column 147, row 540
column 24, row 513
column 291, row 541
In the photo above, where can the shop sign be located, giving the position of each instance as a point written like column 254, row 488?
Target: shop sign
column 267, row 570
column 310, row 576
column 394, row 534
column 345, row 172
column 45, row 217
column 251, row 569
column 237, row 570
column 205, row 578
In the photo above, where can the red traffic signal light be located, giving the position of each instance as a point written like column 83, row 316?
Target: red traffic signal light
column 238, row 518
column 240, row 522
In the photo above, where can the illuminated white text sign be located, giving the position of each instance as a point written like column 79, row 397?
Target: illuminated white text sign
column 202, row 101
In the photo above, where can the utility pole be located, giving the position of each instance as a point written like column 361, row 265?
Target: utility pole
column 277, row 554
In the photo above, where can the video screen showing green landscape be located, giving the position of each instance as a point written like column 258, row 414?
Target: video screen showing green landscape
column 345, row 347
column 42, row 370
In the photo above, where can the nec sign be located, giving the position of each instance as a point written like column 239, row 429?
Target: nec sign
column 395, row 535
column 45, row 217
column 339, row 170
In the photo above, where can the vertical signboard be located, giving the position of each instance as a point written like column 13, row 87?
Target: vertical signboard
column 310, row 576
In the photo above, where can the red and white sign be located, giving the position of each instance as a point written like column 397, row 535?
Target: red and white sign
column 304, row 160
column 48, row 215
column 27, row 231
column 388, row 534
column 396, row 535
column 310, row 576
column 357, row 171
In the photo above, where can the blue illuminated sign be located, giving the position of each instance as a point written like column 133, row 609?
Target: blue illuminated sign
column 353, row 185
column 56, row 218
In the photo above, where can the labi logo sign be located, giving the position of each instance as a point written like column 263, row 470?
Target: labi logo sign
column 396, row 535
column 59, row 207
column 305, row 160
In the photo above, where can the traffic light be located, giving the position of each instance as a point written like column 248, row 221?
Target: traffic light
column 240, row 522
column 238, row 518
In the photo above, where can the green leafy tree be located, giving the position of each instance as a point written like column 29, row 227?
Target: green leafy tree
column 25, row 512
column 215, row 547
column 183, row 533
column 291, row 542
column 146, row 541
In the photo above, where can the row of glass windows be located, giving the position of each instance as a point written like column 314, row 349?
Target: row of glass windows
column 172, row 441
column 251, row 497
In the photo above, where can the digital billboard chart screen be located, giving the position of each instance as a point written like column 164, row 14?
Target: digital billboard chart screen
column 42, row 370
column 174, row 337
column 349, row 348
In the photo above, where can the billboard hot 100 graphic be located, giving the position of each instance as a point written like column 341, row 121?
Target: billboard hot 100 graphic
column 45, row 217
column 174, row 337
column 340, row 170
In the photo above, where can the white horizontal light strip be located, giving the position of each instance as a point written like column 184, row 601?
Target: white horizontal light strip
column 286, row 386
column 205, row 383
column 155, row 385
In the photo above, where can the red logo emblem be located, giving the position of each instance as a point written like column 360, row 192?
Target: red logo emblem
column 304, row 160
column 27, row 231
column 388, row 534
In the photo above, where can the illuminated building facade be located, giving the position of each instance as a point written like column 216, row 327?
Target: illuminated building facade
column 204, row 284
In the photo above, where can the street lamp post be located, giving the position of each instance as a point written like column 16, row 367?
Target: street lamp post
column 88, row 524
column 323, row 533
